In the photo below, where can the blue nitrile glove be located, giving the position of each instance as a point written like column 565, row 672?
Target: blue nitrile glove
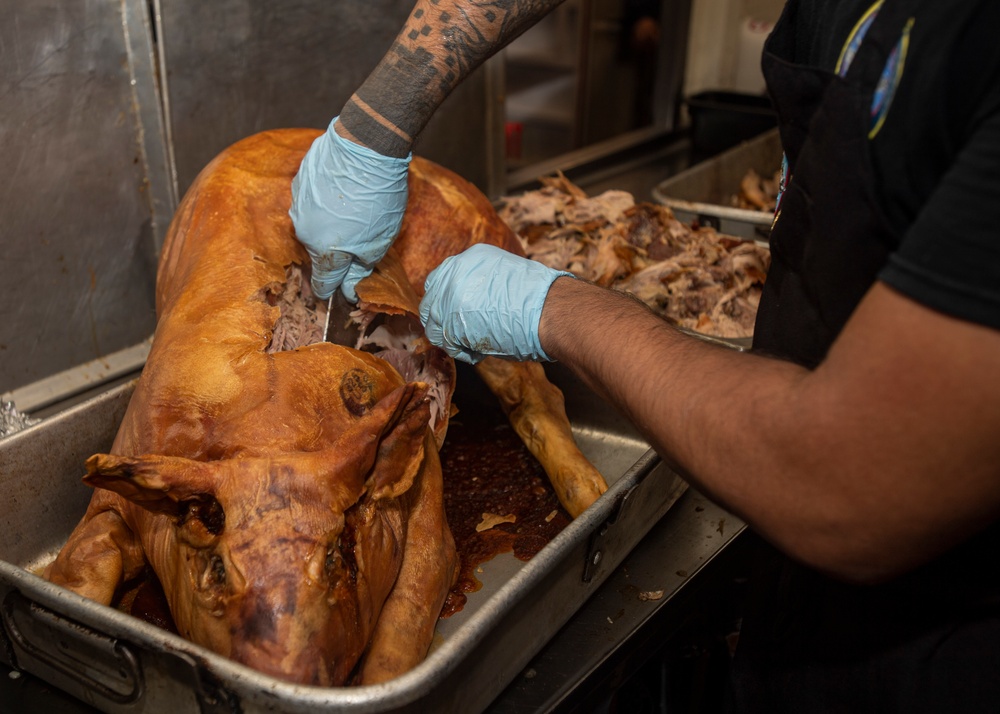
column 347, row 207
column 487, row 302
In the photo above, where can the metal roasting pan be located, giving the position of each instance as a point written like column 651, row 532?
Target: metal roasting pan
column 118, row 663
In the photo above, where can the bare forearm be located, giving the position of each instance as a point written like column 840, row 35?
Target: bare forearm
column 678, row 390
column 870, row 464
column 442, row 42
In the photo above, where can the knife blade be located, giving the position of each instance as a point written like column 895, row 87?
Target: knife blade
column 326, row 321
column 338, row 327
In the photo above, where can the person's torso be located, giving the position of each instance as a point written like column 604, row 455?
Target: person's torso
column 872, row 113
column 878, row 128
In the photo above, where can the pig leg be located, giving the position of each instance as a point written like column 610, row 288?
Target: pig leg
column 406, row 624
column 536, row 410
column 101, row 553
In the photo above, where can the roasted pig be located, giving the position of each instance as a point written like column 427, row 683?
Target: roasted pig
column 287, row 493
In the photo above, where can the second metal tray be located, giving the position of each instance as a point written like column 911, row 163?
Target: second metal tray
column 702, row 192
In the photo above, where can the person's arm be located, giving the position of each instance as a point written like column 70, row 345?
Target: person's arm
column 442, row 42
column 350, row 193
column 881, row 458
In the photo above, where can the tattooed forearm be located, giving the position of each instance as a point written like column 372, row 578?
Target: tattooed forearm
column 442, row 42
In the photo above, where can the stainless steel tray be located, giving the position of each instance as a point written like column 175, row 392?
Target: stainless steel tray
column 702, row 192
column 120, row 664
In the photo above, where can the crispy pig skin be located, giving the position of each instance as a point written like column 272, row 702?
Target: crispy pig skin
column 445, row 215
column 291, row 503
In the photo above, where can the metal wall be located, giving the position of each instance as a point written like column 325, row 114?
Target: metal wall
column 92, row 170
column 79, row 208
column 236, row 67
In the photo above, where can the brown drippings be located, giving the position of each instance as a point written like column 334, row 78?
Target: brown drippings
column 144, row 598
column 487, row 469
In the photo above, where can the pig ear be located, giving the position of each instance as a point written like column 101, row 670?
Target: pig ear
column 401, row 449
column 157, row 483
column 380, row 454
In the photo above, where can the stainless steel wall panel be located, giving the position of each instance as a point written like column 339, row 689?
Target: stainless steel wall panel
column 77, row 232
column 42, row 510
column 236, row 67
column 161, row 183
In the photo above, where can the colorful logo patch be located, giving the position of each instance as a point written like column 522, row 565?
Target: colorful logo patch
column 884, row 90
column 891, row 74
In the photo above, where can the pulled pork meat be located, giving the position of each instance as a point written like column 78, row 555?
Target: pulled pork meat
column 302, row 315
column 757, row 193
column 694, row 277
column 395, row 338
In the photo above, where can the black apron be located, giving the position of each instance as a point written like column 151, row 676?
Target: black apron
column 829, row 239
column 928, row 641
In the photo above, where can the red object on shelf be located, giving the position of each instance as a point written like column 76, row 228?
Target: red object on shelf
column 513, row 131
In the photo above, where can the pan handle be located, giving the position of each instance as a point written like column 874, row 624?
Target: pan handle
column 77, row 658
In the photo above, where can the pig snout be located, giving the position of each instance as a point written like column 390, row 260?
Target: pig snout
column 297, row 618
column 307, row 637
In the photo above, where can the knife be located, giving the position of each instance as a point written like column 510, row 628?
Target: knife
column 338, row 327
column 329, row 309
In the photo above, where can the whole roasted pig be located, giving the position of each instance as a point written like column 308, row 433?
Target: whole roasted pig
column 287, row 493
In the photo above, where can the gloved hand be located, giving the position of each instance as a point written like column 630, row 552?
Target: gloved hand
column 487, row 302
column 347, row 207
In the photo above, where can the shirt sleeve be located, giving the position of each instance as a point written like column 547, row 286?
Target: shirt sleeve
column 949, row 258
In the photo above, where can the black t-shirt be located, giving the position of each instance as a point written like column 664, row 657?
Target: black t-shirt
column 928, row 641
column 936, row 158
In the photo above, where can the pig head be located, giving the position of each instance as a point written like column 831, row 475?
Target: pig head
column 283, row 562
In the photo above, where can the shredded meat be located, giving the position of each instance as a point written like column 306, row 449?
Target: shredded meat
column 694, row 277
column 757, row 193
column 302, row 315
column 393, row 339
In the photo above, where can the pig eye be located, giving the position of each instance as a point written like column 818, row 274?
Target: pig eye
column 206, row 511
column 332, row 557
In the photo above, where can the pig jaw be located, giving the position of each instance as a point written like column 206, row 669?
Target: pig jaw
column 306, row 637
column 310, row 641
column 295, row 608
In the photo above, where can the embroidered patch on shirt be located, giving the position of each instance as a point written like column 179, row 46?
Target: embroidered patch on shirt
column 884, row 92
column 891, row 74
